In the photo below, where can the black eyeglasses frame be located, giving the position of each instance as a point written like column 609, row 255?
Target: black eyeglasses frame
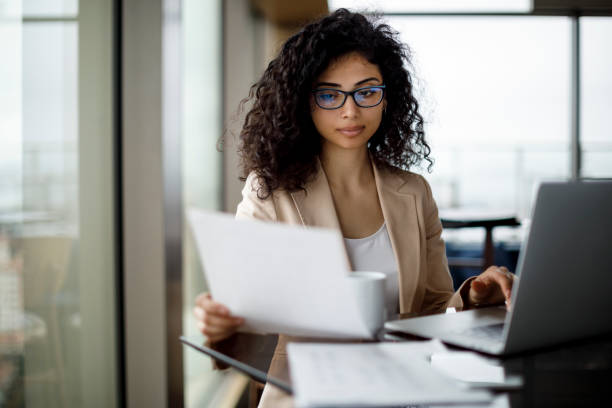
column 352, row 94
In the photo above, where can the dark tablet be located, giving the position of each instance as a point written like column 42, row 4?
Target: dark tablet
column 252, row 372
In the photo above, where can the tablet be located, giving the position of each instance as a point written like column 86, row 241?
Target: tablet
column 252, row 372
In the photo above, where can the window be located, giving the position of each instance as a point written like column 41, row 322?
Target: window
column 202, row 170
column 495, row 93
column 596, row 96
column 57, row 219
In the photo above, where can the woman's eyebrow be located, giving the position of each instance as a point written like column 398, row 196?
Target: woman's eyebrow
column 367, row 80
column 330, row 84
column 334, row 85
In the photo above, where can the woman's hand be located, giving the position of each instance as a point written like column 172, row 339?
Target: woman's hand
column 493, row 286
column 214, row 319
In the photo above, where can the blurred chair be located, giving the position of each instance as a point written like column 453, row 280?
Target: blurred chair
column 45, row 266
column 478, row 221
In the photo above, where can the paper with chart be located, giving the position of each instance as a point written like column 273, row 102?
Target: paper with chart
column 280, row 278
column 376, row 374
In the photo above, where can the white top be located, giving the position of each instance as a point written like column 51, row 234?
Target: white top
column 374, row 253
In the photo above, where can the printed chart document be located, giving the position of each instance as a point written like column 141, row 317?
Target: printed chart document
column 280, row 278
column 377, row 374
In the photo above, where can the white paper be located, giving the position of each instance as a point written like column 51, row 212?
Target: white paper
column 467, row 366
column 387, row 374
column 474, row 369
column 499, row 401
column 280, row 278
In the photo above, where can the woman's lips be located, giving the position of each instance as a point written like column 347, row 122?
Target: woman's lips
column 351, row 130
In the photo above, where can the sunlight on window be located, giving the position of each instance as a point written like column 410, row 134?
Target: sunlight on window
column 433, row 6
column 596, row 96
column 495, row 93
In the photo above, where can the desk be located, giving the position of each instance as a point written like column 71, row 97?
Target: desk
column 577, row 374
column 570, row 375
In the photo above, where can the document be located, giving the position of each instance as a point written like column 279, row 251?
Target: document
column 474, row 370
column 377, row 374
column 280, row 278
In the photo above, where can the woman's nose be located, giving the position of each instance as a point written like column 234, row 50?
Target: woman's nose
column 350, row 108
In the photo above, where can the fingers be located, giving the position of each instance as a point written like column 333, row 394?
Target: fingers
column 215, row 326
column 214, row 320
column 218, row 323
column 505, row 283
column 205, row 303
column 505, row 279
column 202, row 297
column 481, row 286
column 212, row 335
column 220, row 329
column 492, row 286
column 479, row 290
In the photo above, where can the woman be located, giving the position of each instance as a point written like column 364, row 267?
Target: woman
column 333, row 129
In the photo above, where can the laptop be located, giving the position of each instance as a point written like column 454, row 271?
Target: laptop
column 564, row 290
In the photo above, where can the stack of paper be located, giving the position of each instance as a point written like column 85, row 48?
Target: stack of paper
column 387, row 374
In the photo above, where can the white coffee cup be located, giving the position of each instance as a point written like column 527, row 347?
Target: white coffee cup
column 369, row 290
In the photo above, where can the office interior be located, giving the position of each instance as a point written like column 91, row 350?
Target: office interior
column 116, row 116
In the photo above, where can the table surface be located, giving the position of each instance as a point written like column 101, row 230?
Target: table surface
column 579, row 374
column 576, row 374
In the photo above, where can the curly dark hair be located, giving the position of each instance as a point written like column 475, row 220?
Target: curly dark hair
column 279, row 141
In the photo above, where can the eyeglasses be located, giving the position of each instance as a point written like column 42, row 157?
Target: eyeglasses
column 366, row 97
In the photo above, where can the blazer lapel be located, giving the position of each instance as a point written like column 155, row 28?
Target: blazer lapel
column 316, row 205
column 400, row 213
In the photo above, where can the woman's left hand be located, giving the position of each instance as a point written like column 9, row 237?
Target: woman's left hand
column 493, row 286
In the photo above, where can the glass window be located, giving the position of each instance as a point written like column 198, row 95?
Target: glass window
column 202, row 172
column 57, row 236
column 436, row 6
column 596, row 96
column 495, row 94
column 50, row 119
column 50, row 8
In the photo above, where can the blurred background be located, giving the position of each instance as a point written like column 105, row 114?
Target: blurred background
column 111, row 115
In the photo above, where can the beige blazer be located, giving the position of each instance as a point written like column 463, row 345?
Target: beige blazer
column 411, row 216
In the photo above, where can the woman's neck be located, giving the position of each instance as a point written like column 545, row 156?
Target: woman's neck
column 346, row 169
